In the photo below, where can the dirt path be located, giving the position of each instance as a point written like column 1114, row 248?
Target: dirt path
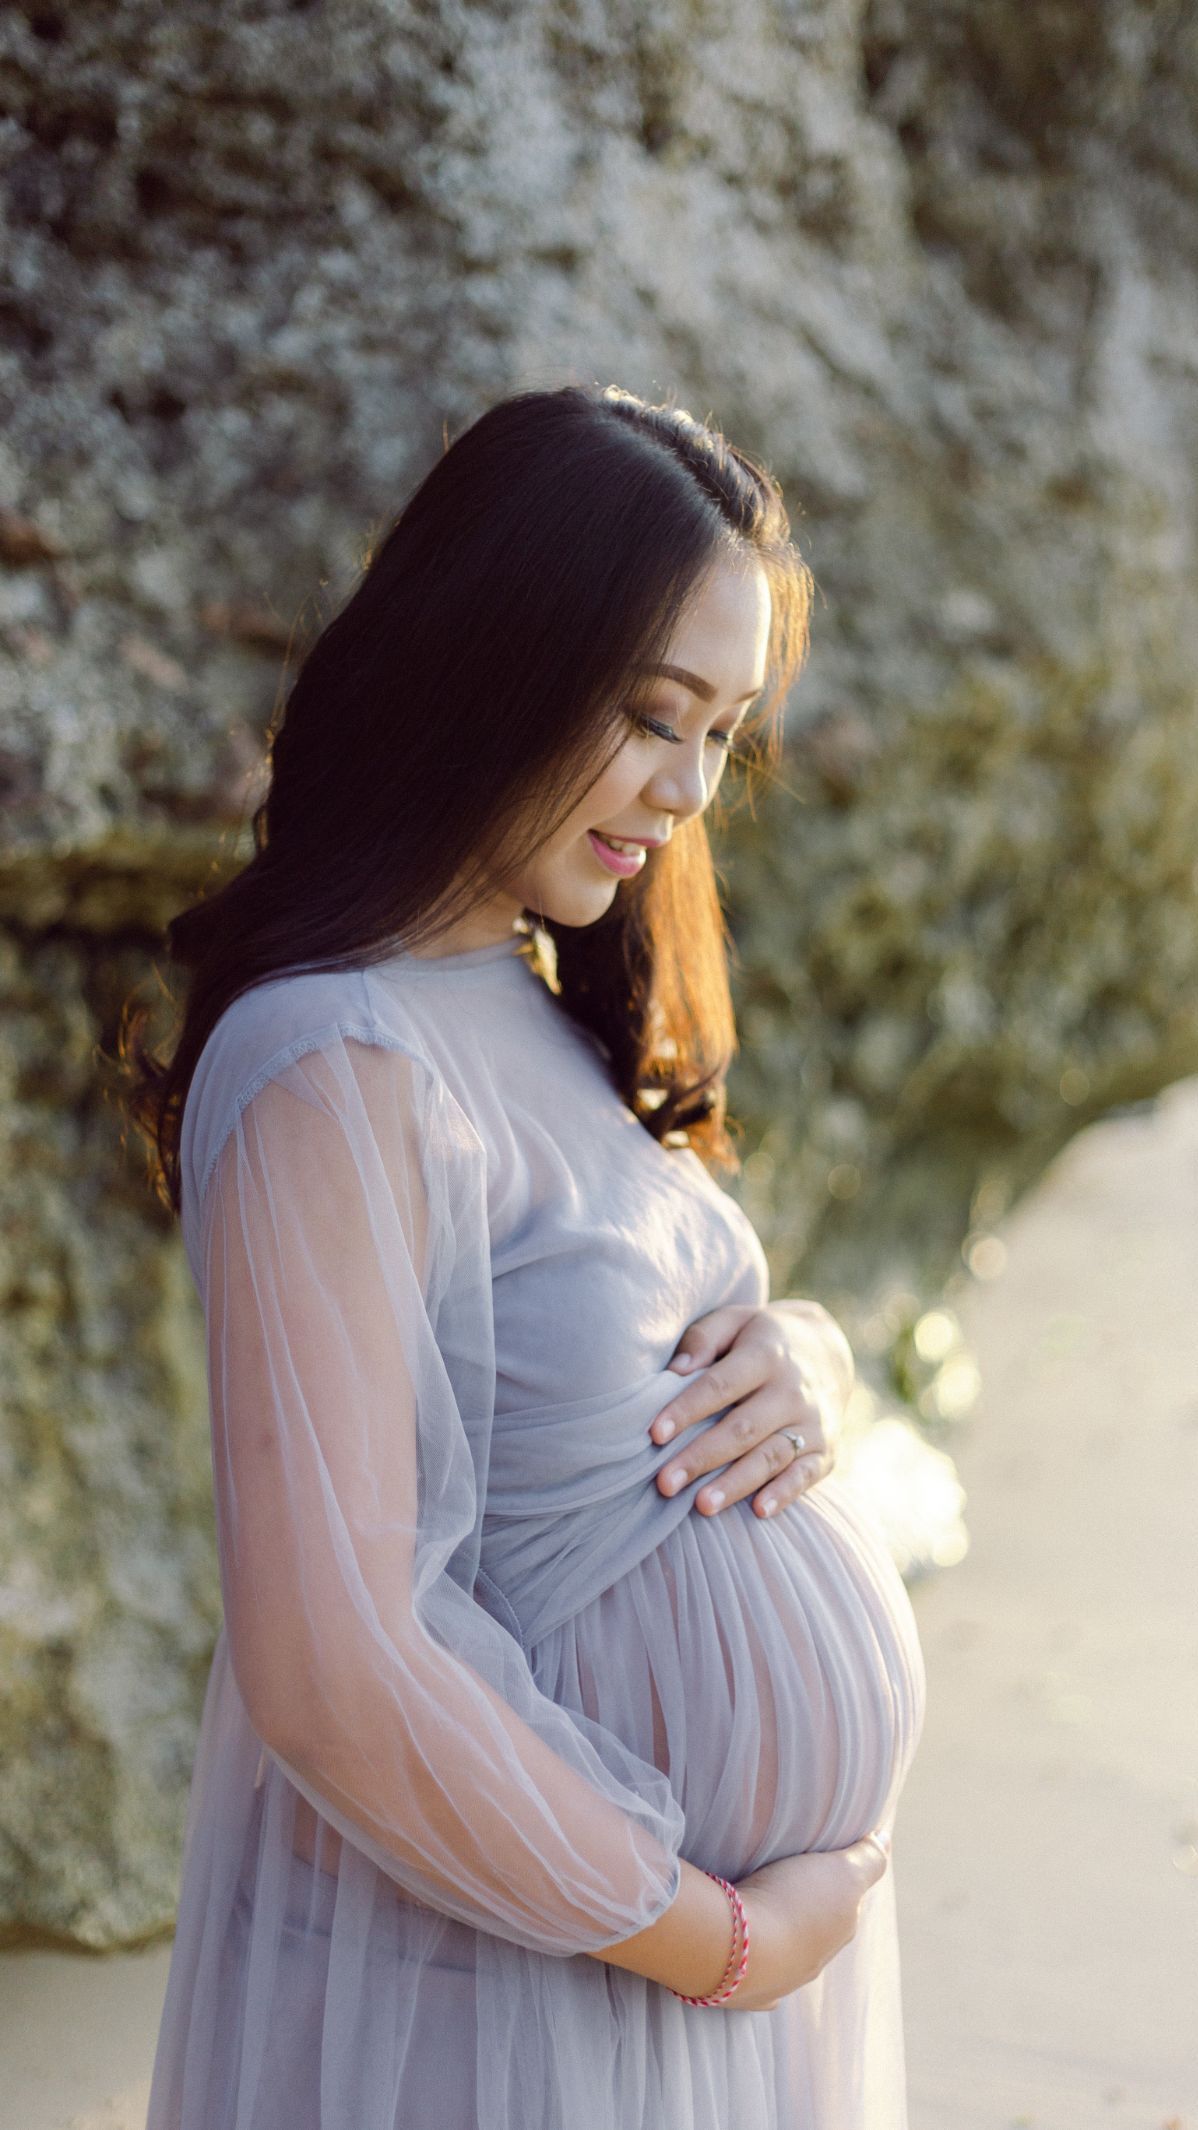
column 1047, row 1851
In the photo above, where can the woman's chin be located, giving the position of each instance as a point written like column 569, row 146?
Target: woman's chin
column 576, row 907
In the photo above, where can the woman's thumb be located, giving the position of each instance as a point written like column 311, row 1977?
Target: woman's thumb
column 875, row 1849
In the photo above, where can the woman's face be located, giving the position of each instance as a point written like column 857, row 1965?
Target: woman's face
column 717, row 663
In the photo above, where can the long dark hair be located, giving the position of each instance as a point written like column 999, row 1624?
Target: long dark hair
column 483, row 673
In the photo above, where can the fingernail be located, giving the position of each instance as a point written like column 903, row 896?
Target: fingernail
column 882, row 1838
column 769, row 1505
column 683, row 1360
column 715, row 1500
column 673, row 1480
column 662, row 1430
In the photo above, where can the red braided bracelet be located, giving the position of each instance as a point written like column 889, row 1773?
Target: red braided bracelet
column 740, row 1944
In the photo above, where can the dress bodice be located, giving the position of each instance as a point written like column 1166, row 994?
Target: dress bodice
column 605, row 1245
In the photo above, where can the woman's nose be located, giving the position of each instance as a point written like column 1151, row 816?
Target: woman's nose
column 681, row 786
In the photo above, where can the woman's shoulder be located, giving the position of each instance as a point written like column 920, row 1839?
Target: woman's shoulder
column 282, row 1017
column 277, row 1022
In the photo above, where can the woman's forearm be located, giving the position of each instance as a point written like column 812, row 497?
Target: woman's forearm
column 687, row 1948
column 471, row 1809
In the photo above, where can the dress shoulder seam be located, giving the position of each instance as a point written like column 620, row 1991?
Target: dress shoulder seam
column 299, row 1046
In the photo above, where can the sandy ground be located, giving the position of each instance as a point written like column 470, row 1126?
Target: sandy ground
column 1046, row 1855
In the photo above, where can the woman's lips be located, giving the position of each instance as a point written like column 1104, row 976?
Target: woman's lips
column 625, row 863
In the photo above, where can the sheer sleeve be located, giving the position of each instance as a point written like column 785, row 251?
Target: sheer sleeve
column 348, row 1304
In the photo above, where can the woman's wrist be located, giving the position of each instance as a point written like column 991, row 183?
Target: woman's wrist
column 687, row 1948
column 738, row 1958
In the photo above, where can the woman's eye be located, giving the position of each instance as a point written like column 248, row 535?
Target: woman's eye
column 726, row 740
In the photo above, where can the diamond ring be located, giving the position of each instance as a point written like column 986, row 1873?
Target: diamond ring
column 799, row 1441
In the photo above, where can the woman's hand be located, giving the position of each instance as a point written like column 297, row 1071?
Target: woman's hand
column 786, row 1365
column 801, row 1911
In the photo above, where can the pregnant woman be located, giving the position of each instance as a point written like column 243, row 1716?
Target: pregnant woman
column 555, row 1730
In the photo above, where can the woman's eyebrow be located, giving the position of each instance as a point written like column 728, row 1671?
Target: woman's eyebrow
column 695, row 682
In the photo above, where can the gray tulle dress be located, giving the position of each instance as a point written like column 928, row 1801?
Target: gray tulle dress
column 479, row 1684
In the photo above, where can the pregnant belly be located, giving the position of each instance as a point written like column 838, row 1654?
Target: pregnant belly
column 771, row 1669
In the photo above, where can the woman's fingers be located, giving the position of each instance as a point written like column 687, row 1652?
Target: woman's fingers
column 737, row 1373
column 709, row 1336
column 748, row 1450
column 794, row 1482
column 752, row 1369
column 872, row 1856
